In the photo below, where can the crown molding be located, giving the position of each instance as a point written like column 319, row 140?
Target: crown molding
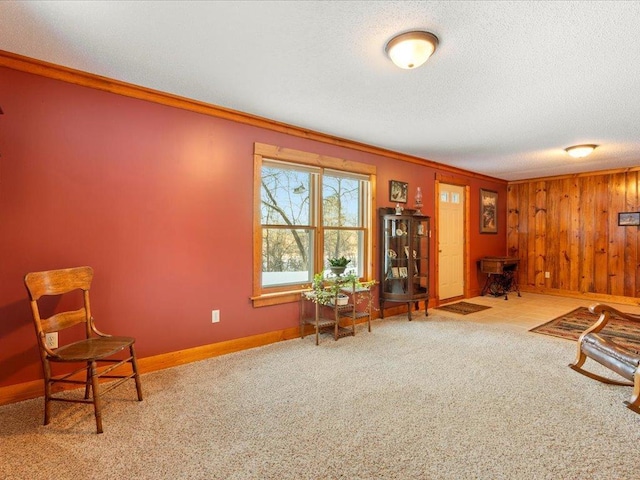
column 85, row 79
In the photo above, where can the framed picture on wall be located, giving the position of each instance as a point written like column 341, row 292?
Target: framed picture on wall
column 488, row 211
column 629, row 218
column 398, row 191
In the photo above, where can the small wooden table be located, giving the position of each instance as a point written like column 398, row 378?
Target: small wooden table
column 501, row 275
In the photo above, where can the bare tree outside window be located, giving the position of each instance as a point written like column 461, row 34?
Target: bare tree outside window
column 341, row 215
column 286, row 220
column 289, row 199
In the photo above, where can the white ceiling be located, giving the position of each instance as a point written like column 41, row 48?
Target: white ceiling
column 511, row 85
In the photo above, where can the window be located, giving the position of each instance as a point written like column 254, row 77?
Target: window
column 307, row 208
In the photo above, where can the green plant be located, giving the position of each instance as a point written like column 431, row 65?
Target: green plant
column 325, row 291
column 339, row 261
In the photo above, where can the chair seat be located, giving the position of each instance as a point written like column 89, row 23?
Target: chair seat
column 90, row 349
column 605, row 352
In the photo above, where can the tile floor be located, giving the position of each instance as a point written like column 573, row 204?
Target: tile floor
column 529, row 310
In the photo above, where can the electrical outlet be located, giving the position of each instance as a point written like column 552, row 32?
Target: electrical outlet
column 51, row 339
column 215, row 316
column 547, row 274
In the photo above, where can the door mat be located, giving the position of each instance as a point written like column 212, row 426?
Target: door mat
column 462, row 308
column 571, row 325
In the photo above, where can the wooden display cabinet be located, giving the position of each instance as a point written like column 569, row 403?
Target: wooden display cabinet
column 404, row 259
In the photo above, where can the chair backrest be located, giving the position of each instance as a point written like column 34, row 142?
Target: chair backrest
column 59, row 282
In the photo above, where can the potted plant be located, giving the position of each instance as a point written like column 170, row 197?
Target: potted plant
column 328, row 292
column 338, row 264
column 323, row 292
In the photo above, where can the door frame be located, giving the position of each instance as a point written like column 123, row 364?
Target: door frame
column 460, row 182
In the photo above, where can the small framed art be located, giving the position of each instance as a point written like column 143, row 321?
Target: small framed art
column 488, row 211
column 628, row 219
column 398, row 191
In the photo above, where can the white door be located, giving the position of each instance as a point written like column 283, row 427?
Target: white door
column 451, row 238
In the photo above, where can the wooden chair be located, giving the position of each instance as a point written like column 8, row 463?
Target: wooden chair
column 621, row 360
column 95, row 348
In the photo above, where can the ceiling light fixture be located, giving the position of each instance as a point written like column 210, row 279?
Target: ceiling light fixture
column 410, row 50
column 580, row 151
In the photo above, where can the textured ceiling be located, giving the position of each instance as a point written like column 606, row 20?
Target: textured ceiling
column 510, row 86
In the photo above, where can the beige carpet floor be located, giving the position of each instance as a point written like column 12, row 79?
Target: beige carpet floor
column 435, row 398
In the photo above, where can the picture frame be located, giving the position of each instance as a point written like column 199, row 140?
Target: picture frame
column 395, row 273
column 403, row 272
column 398, row 191
column 628, row 219
column 488, row 211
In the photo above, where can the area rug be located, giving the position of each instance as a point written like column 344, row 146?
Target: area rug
column 571, row 325
column 462, row 308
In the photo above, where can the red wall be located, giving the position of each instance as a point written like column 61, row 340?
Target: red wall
column 158, row 201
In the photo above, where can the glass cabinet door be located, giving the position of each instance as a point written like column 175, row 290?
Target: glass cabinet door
column 420, row 256
column 396, row 240
column 404, row 261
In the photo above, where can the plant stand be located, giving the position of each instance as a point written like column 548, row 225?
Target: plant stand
column 337, row 320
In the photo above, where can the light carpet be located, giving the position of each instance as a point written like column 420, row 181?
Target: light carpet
column 434, row 398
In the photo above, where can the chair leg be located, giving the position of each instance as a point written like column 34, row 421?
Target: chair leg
column 87, row 385
column 580, row 359
column 634, row 403
column 134, row 366
column 97, row 402
column 47, row 391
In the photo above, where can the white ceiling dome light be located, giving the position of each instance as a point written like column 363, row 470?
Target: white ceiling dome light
column 411, row 49
column 580, row 151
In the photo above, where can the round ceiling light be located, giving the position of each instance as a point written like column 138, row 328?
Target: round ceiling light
column 410, row 50
column 580, row 151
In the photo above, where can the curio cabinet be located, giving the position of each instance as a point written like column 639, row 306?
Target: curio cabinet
column 404, row 262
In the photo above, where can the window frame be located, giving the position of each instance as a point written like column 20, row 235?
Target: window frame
column 264, row 296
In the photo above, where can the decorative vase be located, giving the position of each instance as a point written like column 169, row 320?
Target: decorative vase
column 337, row 270
column 342, row 299
column 418, row 201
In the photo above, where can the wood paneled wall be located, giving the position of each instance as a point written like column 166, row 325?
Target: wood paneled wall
column 568, row 226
